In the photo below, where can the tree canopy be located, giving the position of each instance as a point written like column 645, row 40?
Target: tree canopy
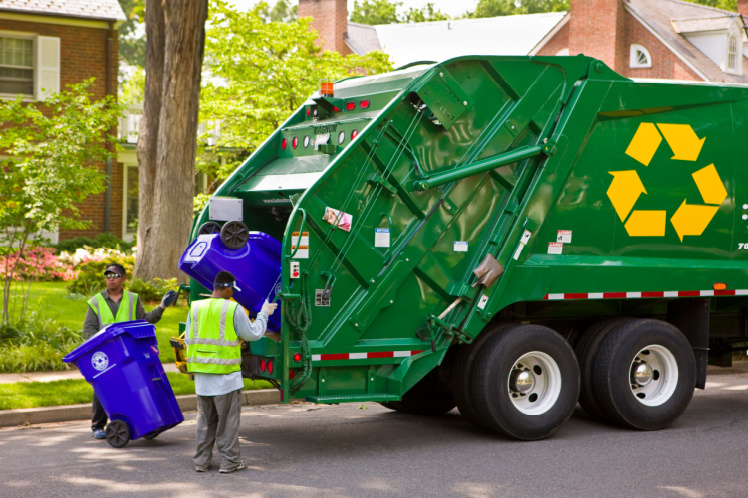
column 495, row 8
column 261, row 72
column 386, row 12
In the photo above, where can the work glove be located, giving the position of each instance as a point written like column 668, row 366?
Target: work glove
column 169, row 299
column 269, row 308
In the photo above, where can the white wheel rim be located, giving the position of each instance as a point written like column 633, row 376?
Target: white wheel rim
column 658, row 375
column 534, row 383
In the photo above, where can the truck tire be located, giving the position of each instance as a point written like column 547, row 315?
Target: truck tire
column 586, row 349
column 525, row 382
column 427, row 397
column 644, row 374
column 462, row 369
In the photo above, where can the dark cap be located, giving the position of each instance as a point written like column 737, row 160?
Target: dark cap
column 225, row 279
column 115, row 268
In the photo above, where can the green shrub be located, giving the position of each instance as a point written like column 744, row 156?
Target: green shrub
column 36, row 344
column 103, row 240
column 91, row 277
column 152, row 290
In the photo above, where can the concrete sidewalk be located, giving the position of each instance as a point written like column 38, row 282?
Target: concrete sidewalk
column 51, row 376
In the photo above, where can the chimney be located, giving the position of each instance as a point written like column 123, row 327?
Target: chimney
column 330, row 20
column 596, row 30
column 743, row 8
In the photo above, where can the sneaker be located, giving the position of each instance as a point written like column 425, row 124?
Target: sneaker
column 202, row 468
column 242, row 465
column 99, row 434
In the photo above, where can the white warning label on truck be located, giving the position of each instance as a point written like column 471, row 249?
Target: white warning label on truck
column 555, row 248
column 461, row 246
column 381, row 237
column 564, row 236
column 303, row 244
column 483, row 301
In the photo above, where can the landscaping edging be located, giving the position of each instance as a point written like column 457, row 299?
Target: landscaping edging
column 48, row 414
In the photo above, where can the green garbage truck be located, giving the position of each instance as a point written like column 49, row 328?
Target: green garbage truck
column 507, row 235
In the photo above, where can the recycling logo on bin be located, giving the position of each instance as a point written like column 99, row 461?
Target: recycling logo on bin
column 99, row 361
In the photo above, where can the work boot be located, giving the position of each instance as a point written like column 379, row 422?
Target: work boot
column 242, row 465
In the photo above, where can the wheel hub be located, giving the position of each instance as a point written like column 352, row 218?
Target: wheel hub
column 521, row 381
column 641, row 373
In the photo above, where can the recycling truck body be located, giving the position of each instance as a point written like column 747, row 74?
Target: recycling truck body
column 508, row 235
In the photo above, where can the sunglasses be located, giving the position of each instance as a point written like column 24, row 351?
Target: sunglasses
column 110, row 276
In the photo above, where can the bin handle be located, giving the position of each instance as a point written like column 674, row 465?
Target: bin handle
column 301, row 231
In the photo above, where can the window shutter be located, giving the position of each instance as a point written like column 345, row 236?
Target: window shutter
column 47, row 80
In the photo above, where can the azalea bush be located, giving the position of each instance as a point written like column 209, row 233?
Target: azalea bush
column 36, row 263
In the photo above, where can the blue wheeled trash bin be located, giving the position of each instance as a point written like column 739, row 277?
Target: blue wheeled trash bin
column 121, row 363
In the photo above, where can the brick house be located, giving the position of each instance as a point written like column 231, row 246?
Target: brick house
column 656, row 39
column 47, row 44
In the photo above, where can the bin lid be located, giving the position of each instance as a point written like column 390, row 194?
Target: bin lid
column 138, row 329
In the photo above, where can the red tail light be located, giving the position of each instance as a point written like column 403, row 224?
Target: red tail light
column 297, row 357
column 354, row 134
column 336, row 109
column 262, row 365
column 350, row 106
column 270, row 367
column 284, row 144
column 291, row 374
column 295, row 142
column 364, row 104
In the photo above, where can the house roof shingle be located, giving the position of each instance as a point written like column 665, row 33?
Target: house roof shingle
column 659, row 15
column 109, row 10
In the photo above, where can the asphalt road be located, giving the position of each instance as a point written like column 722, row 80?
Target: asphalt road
column 367, row 450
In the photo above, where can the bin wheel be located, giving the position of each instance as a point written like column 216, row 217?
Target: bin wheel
column 525, row 382
column 234, row 234
column 209, row 228
column 117, row 433
column 644, row 374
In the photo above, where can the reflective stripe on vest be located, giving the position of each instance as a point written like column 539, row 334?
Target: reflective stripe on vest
column 212, row 343
column 125, row 311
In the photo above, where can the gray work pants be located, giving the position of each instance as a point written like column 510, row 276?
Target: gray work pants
column 218, row 421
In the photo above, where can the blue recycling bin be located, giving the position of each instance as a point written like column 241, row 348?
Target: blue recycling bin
column 256, row 266
column 121, row 363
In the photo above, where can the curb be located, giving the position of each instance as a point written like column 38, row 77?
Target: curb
column 49, row 414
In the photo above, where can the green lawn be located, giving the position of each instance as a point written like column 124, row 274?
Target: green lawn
column 78, row 391
column 55, row 302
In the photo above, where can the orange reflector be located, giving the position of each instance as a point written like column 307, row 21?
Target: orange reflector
column 720, row 286
column 325, row 88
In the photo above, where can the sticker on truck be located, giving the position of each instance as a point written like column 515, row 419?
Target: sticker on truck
column 555, row 248
column 564, row 236
column 381, row 237
column 461, row 246
column 303, row 245
column 338, row 218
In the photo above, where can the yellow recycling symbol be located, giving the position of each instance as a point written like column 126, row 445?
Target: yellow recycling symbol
column 626, row 187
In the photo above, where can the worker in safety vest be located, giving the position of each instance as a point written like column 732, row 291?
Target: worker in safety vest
column 114, row 305
column 214, row 327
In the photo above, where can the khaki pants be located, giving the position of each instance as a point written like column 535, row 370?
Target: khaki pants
column 218, row 421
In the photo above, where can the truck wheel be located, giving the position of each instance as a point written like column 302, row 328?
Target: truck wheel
column 234, row 234
column 644, row 374
column 586, row 349
column 462, row 369
column 427, row 397
column 117, row 433
column 525, row 382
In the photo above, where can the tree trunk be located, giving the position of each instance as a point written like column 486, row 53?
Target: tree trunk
column 175, row 34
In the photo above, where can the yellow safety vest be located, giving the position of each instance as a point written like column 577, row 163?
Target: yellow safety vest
column 212, row 343
column 125, row 312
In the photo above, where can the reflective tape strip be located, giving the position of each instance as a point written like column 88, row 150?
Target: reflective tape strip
column 364, row 356
column 212, row 342
column 214, row 361
column 644, row 294
column 130, row 296
column 222, row 324
column 98, row 312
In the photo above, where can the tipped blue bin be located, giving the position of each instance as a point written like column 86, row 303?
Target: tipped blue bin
column 121, row 363
column 256, row 266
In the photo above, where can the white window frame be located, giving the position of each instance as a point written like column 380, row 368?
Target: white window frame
column 127, row 236
column 563, row 52
column 634, row 52
column 734, row 41
column 49, row 73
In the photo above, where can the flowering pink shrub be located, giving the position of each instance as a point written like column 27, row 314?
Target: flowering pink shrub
column 37, row 263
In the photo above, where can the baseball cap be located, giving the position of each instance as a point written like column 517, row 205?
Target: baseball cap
column 115, row 268
column 225, row 279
